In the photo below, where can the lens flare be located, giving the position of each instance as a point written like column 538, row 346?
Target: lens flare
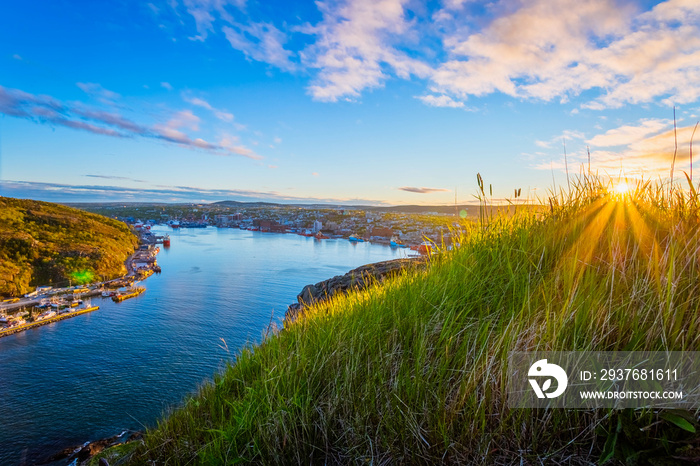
column 622, row 188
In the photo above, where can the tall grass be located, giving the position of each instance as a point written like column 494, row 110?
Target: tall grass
column 413, row 370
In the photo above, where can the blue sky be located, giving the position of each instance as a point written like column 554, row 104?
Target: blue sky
column 365, row 101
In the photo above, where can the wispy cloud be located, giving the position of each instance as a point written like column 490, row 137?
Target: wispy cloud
column 220, row 114
column 539, row 50
column 629, row 134
column 166, row 85
column 204, row 13
column 111, row 177
column 645, row 148
column 45, row 109
column 412, row 189
column 555, row 49
column 57, row 192
column 100, row 93
column 559, row 140
column 440, row 101
column 354, row 42
column 262, row 42
column 650, row 155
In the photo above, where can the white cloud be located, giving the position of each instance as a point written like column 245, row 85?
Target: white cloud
column 354, row 46
column 645, row 148
column 220, row 114
column 166, row 85
column 551, row 49
column 440, row 101
column 47, row 110
column 558, row 141
column 261, row 42
column 230, row 144
column 536, row 49
column 203, row 13
column 628, row 134
column 184, row 119
column 100, row 93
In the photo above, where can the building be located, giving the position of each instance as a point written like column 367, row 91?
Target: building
column 382, row 232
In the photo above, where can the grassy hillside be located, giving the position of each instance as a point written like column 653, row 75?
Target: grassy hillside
column 43, row 243
column 412, row 371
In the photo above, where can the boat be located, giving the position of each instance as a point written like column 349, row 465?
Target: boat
column 166, row 241
column 45, row 315
column 193, row 225
column 355, row 239
column 395, row 243
column 425, row 248
column 320, row 235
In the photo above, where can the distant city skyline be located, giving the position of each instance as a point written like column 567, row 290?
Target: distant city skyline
column 376, row 102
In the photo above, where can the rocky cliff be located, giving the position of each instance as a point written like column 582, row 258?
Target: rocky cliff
column 356, row 279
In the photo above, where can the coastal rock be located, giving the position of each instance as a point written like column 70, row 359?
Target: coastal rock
column 89, row 449
column 307, row 295
column 356, row 279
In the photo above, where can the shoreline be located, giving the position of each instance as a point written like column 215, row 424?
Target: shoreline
column 132, row 276
column 356, row 278
column 67, row 315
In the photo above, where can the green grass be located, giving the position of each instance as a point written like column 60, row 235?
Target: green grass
column 412, row 371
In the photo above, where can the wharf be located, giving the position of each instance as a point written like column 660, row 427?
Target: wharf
column 67, row 315
column 121, row 297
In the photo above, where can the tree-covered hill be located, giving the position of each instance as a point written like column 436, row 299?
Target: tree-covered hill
column 43, row 243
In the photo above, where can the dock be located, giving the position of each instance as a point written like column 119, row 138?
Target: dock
column 140, row 265
column 27, row 326
column 121, row 297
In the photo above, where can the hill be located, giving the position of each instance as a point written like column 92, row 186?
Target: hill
column 43, row 243
column 414, row 370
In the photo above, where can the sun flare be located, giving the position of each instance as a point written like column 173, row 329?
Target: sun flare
column 622, row 188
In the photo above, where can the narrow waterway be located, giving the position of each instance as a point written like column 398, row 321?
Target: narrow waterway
column 124, row 365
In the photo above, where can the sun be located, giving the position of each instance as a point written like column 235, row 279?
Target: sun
column 621, row 188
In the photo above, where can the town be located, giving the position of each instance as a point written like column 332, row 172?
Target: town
column 381, row 225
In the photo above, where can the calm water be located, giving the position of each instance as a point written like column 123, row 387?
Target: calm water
column 124, row 365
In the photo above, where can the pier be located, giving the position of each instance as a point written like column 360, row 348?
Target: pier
column 140, row 265
column 27, row 326
column 132, row 294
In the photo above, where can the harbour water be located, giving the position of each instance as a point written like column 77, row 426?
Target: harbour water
column 125, row 365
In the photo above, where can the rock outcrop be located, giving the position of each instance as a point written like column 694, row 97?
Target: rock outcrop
column 356, row 279
column 82, row 453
